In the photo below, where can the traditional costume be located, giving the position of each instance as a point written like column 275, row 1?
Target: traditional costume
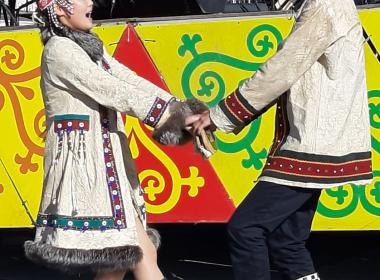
column 322, row 137
column 91, row 195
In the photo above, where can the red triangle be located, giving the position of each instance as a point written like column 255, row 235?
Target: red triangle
column 211, row 203
column 132, row 53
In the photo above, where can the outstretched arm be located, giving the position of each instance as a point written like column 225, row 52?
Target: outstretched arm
column 313, row 33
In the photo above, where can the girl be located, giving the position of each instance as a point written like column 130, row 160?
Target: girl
column 92, row 213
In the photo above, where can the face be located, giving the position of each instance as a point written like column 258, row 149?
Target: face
column 81, row 19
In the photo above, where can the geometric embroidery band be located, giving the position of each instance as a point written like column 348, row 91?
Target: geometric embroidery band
column 112, row 176
column 237, row 109
column 71, row 122
column 75, row 223
column 315, row 169
column 155, row 113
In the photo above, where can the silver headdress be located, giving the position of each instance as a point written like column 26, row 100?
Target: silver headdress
column 48, row 5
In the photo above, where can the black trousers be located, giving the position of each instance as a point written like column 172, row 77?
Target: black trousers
column 274, row 222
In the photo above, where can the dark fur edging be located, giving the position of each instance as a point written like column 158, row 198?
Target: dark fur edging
column 78, row 260
column 173, row 131
column 196, row 106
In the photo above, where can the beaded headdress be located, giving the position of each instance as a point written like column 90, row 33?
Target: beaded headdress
column 48, row 5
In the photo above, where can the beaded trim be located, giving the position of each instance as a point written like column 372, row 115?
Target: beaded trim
column 156, row 111
column 112, row 177
column 111, row 173
column 67, row 124
column 304, row 167
column 237, row 109
column 75, row 223
column 71, row 122
column 281, row 124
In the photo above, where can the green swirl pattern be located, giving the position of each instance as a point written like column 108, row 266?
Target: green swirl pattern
column 359, row 195
column 209, row 80
column 374, row 113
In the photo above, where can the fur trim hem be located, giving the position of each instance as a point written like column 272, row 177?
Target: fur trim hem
column 78, row 260
column 172, row 131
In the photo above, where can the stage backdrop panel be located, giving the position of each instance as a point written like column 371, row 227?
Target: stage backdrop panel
column 198, row 58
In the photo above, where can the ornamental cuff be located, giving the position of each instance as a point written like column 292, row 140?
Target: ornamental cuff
column 237, row 109
column 156, row 111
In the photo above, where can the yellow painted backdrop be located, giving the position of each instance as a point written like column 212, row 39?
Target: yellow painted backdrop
column 200, row 58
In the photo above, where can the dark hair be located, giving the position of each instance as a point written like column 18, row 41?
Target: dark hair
column 42, row 20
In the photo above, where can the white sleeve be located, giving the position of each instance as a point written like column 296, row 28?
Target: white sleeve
column 69, row 67
column 313, row 33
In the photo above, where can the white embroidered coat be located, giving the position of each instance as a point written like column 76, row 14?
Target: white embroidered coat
column 91, row 198
column 322, row 136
